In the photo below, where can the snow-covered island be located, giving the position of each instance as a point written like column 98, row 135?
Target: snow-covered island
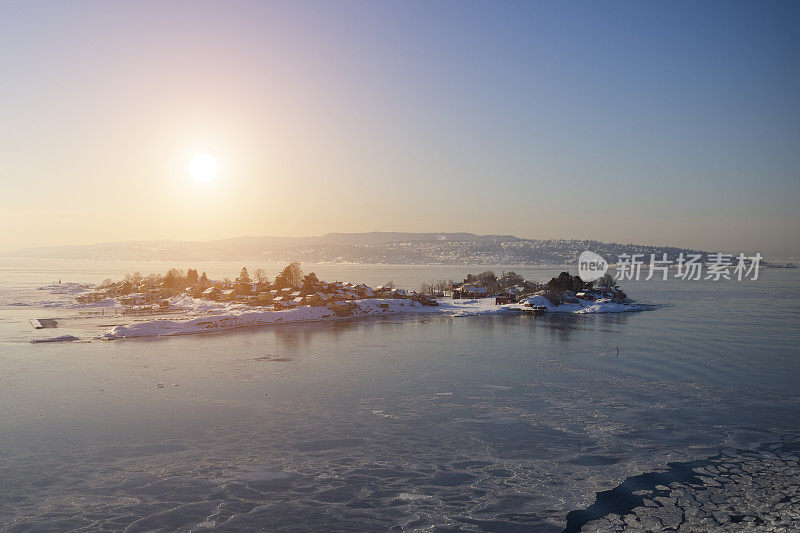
column 181, row 303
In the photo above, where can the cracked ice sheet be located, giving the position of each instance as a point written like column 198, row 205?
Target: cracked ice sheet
column 736, row 490
column 504, row 437
column 471, row 458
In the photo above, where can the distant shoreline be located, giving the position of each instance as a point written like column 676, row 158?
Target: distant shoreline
column 283, row 262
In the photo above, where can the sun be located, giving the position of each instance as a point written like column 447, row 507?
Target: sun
column 203, row 168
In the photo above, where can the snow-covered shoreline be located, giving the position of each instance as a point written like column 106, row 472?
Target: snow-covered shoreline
column 241, row 316
column 218, row 317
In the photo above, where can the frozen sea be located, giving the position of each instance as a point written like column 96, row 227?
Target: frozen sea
column 483, row 423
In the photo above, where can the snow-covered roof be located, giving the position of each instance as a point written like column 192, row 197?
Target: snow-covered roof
column 474, row 290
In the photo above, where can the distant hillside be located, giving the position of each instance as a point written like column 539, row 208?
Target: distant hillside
column 385, row 237
column 375, row 247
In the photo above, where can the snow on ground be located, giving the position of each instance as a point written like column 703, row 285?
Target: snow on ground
column 66, row 288
column 65, row 294
column 198, row 305
column 476, row 306
column 69, row 303
column 584, row 306
column 240, row 316
column 486, row 306
column 62, row 338
column 216, row 316
column 105, row 302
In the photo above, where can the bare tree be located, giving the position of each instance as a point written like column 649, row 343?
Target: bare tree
column 442, row 285
column 260, row 275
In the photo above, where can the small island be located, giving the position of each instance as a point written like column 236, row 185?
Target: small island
column 185, row 302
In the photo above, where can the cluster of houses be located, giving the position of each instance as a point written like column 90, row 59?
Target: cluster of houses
column 594, row 294
column 153, row 294
column 518, row 293
column 502, row 296
column 319, row 294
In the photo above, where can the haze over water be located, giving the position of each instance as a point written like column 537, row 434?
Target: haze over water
column 495, row 423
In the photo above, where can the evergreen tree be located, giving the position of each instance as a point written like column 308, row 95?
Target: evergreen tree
column 260, row 276
column 310, row 282
column 244, row 277
column 174, row 279
column 509, row 279
column 606, row 282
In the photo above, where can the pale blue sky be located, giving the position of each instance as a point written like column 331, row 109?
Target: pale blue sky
column 672, row 122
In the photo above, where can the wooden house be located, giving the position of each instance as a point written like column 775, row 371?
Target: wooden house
column 316, row 299
column 281, row 302
column 502, row 298
column 469, row 291
column 228, row 295
column 211, row 293
column 263, row 298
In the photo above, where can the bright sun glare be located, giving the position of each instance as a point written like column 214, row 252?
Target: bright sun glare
column 203, row 168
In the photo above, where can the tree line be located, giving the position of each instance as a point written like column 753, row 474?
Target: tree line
column 556, row 289
column 178, row 279
column 488, row 279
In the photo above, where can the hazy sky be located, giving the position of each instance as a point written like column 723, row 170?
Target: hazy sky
column 652, row 122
